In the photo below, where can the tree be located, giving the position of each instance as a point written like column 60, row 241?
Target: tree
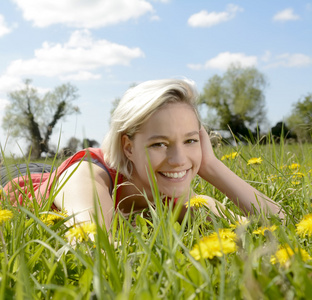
column 237, row 98
column 89, row 143
column 33, row 117
column 300, row 120
column 71, row 148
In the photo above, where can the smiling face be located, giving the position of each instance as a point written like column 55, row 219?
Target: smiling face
column 171, row 138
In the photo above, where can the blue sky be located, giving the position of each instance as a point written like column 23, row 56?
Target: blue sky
column 104, row 46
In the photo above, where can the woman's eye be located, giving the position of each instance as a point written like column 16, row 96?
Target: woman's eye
column 158, row 145
column 191, row 141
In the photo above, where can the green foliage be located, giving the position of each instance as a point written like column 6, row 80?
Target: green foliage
column 33, row 117
column 147, row 256
column 300, row 120
column 237, row 98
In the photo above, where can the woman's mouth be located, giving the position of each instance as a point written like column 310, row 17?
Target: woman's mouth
column 174, row 175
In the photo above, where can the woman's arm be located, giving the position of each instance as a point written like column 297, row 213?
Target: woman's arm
column 81, row 188
column 235, row 188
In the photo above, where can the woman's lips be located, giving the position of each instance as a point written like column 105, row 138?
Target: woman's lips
column 174, row 175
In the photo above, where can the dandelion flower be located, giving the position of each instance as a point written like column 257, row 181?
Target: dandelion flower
column 197, row 201
column 297, row 175
column 215, row 245
column 5, row 215
column 81, row 232
column 274, row 177
column 305, row 226
column 51, row 219
column 254, row 161
column 294, row 166
column 224, row 233
column 232, row 155
column 241, row 222
column 262, row 230
column 285, row 253
column 295, row 182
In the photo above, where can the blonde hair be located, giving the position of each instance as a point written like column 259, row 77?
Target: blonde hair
column 135, row 107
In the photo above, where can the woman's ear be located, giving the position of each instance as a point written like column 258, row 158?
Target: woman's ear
column 127, row 146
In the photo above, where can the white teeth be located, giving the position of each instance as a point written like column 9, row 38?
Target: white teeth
column 175, row 174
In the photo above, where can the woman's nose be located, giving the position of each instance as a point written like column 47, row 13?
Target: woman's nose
column 176, row 156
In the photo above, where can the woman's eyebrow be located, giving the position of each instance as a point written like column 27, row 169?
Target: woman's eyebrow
column 158, row 137
column 192, row 133
column 164, row 137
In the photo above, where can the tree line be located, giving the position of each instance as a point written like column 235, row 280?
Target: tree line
column 234, row 102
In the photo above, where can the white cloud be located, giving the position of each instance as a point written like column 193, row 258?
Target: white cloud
column 286, row 15
column 9, row 83
column 79, row 55
column 208, row 19
column 4, row 29
column 266, row 56
column 82, row 13
column 81, row 75
column 195, row 67
column 291, row 60
column 223, row 60
column 3, row 104
column 155, row 18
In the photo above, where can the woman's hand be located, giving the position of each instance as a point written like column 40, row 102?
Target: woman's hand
column 208, row 155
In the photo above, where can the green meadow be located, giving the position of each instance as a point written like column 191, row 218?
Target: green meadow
column 149, row 255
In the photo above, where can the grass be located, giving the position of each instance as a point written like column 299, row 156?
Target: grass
column 149, row 255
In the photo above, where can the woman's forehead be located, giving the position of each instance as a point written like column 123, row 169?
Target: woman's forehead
column 172, row 117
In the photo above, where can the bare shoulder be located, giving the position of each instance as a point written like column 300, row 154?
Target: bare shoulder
column 80, row 181
column 85, row 172
column 83, row 190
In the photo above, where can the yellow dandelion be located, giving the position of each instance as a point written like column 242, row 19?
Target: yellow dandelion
column 224, row 233
column 294, row 166
column 242, row 222
column 5, row 215
column 274, row 177
column 305, row 226
column 254, row 161
column 262, row 230
column 297, row 175
column 81, row 232
column 295, row 182
column 285, row 253
column 197, row 201
column 213, row 246
column 232, row 155
column 51, row 219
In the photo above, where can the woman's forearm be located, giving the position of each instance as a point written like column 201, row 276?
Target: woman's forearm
column 236, row 189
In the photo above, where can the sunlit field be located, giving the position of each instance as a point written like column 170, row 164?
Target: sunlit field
column 149, row 255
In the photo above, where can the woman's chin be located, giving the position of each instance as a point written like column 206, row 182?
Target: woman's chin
column 175, row 194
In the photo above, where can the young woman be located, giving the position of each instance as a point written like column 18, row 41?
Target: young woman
column 155, row 127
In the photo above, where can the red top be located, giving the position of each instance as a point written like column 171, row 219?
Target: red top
column 43, row 182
